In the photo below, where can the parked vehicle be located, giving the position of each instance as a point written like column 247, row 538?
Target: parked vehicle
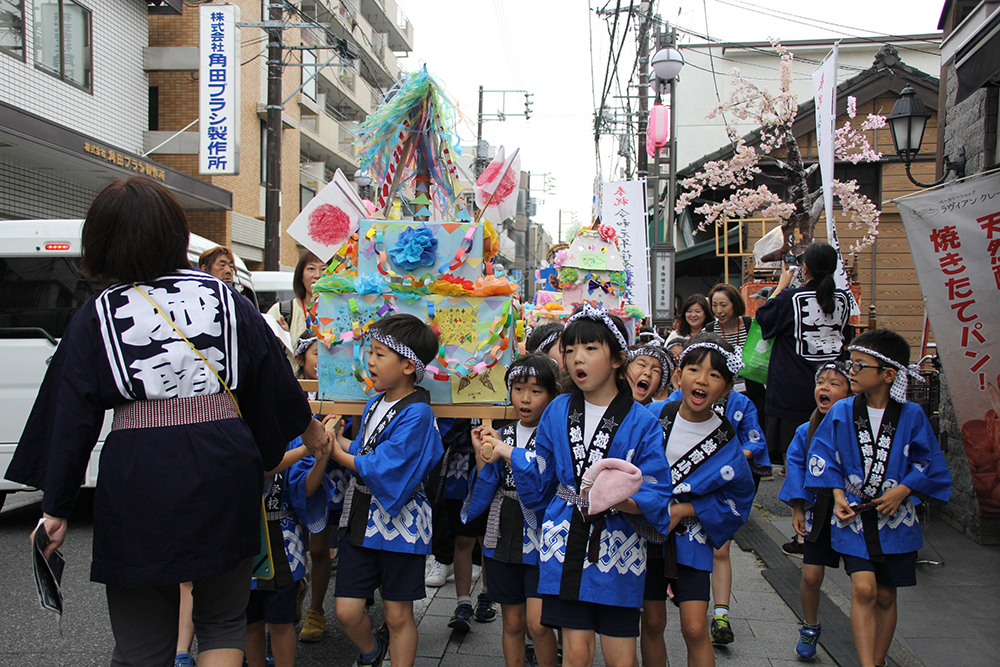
column 40, row 289
column 272, row 287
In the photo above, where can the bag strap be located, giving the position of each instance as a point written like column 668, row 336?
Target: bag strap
column 196, row 351
column 285, row 309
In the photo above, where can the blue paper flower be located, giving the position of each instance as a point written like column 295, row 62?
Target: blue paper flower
column 415, row 247
column 371, row 283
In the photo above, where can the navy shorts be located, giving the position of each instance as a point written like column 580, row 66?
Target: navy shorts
column 475, row 528
column 511, row 583
column 362, row 571
column 691, row 584
column 276, row 606
column 603, row 619
column 898, row 570
column 821, row 551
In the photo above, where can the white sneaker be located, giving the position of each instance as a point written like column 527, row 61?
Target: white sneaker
column 476, row 571
column 439, row 575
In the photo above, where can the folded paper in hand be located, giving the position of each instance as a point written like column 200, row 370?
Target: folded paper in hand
column 48, row 572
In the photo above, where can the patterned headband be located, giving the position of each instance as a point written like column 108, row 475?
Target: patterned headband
column 523, row 370
column 304, row 344
column 400, row 349
column 599, row 313
column 899, row 386
column 666, row 361
column 734, row 359
column 550, row 340
column 654, row 339
column 836, row 366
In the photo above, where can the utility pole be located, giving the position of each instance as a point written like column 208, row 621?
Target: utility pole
column 272, row 201
column 642, row 162
column 480, row 153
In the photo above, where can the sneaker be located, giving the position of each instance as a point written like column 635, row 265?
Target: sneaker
column 383, row 633
column 672, row 597
column 476, row 571
column 383, row 648
column 530, row 659
column 794, row 548
column 722, row 634
column 462, row 619
column 486, row 611
column 806, row 648
column 312, row 629
column 183, row 660
column 439, row 575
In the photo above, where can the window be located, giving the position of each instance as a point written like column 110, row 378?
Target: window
column 309, row 85
column 154, row 108
column 263, row 153
column 42, row 293
column 63, row 45
column 12, row 27
column 867, row 175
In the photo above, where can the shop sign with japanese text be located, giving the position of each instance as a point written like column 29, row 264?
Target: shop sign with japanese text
column 219, row 90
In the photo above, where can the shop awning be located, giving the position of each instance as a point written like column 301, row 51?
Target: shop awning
column 38, row 144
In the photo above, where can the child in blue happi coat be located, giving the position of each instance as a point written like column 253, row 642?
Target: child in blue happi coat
column 513, row 532
column 875, row 452
column 294, row 494
column 385, row 527
column 812, row 514
column 592, row 568
column 713, row 492
column 741, row 413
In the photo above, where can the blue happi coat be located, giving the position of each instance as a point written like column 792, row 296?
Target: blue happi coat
column 619, row 575
column 721, row 490
column 399, row 515
column 459, row 459
column 794, row 487
column 294, row 509
column 742, row 413
column 486, row 485
column 836, row 460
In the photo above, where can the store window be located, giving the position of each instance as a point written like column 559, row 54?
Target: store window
column 309, row 84
column 12, row 27
column 63, row 44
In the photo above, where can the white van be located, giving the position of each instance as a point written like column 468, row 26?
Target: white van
column 40, row 290
column 272, row 287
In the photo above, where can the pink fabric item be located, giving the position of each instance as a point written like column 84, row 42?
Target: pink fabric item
column 609, row 482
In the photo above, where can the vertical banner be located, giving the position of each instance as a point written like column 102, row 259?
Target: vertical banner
column 624, row 208
column 218, row 90
column 954, row 236
column 825, row 96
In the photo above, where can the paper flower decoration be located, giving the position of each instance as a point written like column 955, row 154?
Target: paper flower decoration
column 491, row 241
column 493, row 286
column 634, row 312
column 568, row 275
column 339, row 283
column 618, row 277
column 371, row 283
column 449, row 285
column 608, row 234
column 560, row 258
column 414, row 248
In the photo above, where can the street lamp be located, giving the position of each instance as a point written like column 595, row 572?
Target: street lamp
column 363, row 180
column 907, row 123
column 667, row 64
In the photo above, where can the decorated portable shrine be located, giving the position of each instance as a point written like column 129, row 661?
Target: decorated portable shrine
column 437, row 266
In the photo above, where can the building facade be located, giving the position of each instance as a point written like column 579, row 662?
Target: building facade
column 73, row 108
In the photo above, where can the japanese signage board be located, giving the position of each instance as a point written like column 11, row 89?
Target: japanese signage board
column 825, row 95
column 623, row 206
column 219, row 90
column 954, row 236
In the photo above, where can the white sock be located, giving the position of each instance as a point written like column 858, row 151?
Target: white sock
column 464, row 599
column 721, row 610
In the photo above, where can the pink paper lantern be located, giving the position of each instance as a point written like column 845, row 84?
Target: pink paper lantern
column 657, row 129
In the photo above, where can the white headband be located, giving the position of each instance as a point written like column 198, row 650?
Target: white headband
column 838, row 366
column 734, row 359
column 552, row 338
column 666, row 361
column 653, row 338
column 523, row 370
column 304, row 344
column 898, row 389
column 599, row 313
column 400, row 349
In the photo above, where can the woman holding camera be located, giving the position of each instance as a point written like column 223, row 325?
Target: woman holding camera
column 809, row 326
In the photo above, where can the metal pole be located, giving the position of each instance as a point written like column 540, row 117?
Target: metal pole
column 272, row 201
column 480, row 160
column 642, row 160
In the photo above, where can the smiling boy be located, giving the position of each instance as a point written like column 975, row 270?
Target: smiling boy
column 875, row 451
column 385, row 525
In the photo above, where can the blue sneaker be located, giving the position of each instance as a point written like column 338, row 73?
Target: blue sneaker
column 486, row 611
column 184, row 660
column 462, row 619
column 808, row 637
